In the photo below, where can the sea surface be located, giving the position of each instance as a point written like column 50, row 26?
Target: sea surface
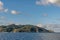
column 29, row 36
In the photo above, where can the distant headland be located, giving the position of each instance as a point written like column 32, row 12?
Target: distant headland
column 23, row 28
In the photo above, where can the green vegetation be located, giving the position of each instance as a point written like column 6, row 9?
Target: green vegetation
column 22, row 28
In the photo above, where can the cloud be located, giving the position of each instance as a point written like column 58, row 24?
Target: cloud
column 17, row 23
column 39, row 25
column 54, row 27
column 6, row 10
column 2, row 17
column 47, row 2
column 1, row 3
column 58, row 19
column 2, row 9
column 45, row 14
column 42, row 2
column 14, row 12
column 1, row 6
column 9, row 23
column 12, row 22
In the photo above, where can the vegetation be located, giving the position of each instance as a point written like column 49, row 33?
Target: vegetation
column 22, row 28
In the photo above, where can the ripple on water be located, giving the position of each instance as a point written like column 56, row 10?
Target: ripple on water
column 29, row 36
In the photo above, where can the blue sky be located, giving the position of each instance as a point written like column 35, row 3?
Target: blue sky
column 29, row 12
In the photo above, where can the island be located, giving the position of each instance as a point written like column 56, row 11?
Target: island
column 23, row 28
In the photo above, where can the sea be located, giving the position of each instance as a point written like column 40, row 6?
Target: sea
column 29, row 36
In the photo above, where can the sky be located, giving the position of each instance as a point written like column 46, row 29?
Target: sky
column 29, row 12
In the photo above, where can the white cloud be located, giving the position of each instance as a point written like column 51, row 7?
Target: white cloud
column 53, row 27
column 17, row 23
column 14, row 12
column 6, row 10
column 1, row 6
column 39, row 25
column 45, row 14
column 47, row 2
column 12, row 22
column 9, row 23
column 57, row 29
column 2, row 17
column 2, row 9
column 42, row 2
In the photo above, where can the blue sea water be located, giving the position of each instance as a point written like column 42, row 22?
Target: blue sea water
column 29, row 36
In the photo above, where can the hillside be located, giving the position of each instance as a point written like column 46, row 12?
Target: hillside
column 22, row 28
